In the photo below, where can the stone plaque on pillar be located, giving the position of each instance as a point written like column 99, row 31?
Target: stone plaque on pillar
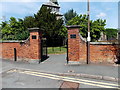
column 73, row 36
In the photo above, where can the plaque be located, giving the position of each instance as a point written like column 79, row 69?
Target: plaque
column 73, row 36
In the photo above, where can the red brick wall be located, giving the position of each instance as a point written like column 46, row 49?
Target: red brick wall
column 27, row 50
column 103, row 53
column 99, row 52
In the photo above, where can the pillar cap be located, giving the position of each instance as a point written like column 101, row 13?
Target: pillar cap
column 73, row 26
column 34, row 29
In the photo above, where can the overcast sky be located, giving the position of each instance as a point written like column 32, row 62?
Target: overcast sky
column 99, row 9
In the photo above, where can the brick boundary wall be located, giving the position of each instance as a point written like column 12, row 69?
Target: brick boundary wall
column 100, row 52
column 28, row 50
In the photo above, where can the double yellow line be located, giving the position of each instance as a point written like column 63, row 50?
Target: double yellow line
column 56, row 77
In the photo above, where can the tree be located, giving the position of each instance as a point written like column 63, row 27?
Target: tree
column 29, row 22
column 63, row 32
column 49, row 24
column 14, row 30
column 17, row 29
column 111, row 33
column 69, row 15
column 96, row 27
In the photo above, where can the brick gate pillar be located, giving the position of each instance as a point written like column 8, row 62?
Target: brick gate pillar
column 35, row 43
column 73, row 44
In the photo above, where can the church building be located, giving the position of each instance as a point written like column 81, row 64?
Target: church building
column 55, row 8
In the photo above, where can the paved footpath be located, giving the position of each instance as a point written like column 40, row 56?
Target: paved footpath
column 57, row 64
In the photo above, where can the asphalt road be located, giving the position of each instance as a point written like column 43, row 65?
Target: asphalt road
column 34, row 79
column 56, row 63
column 19, row 80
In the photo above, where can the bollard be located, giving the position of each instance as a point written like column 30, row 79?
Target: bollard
column 15, row 54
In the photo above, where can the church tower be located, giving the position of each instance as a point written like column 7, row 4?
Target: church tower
column 54, row 1
column 54, row 6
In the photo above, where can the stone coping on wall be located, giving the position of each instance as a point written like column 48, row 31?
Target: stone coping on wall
column 83, row 39
column 103, row 43
column 97, row 43
column 73, row 26
column 15, row 41
column 12, row 41
column 36, row 29
column 33, row 28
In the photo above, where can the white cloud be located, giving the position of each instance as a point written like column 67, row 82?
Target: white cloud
column 100, row 15
column 108, row 9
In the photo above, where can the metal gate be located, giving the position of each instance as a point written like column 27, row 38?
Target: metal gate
column 67, row 52
column 44, row 55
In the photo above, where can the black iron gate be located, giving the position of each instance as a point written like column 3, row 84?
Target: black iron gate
column 44, row 55
column 67, row 52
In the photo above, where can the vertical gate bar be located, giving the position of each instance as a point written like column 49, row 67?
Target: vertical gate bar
column 41, row 51
column 60, row 48
column 60, row 44
column 67, row 52
column 46, row 47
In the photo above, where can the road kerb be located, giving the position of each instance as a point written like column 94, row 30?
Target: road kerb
column 106, row 78
column 109, row 78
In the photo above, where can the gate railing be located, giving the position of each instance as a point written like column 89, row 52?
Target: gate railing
column 44, row 54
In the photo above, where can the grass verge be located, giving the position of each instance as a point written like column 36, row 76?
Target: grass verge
column 57, row 50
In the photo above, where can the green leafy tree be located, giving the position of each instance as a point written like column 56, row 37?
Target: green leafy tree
column 69, row 15
column 63, row 32
column 29, row 22
column 48, row 22
column 14, row 30
column 22, row 32
column 111, row 33
column 96, row 27
column 44, row 19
